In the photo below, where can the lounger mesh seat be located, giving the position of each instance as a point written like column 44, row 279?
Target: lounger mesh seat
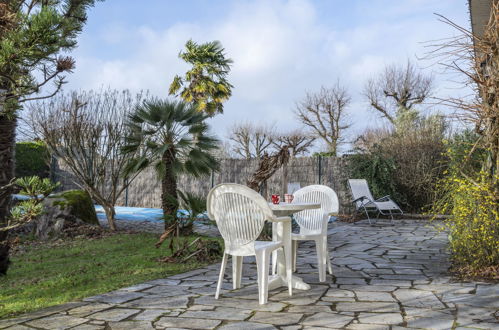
column 365, row 202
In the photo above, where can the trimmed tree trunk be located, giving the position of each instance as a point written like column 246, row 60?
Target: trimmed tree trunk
column 169, row 198
column 7, row 154
column 110, row 214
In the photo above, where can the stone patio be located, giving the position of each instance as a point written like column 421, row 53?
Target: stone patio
column 385, row 277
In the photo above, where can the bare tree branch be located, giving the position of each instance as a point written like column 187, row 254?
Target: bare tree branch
column 298, row 141
column 325, row 114
column 397, row 90
column 251, row 141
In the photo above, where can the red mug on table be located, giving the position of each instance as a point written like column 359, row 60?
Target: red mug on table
column 275, row 199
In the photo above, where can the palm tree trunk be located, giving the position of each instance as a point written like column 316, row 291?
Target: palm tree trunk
column 169, row 196
column 7, row 153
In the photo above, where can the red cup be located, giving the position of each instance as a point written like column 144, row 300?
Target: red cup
column 275, row 199
column 288, row 198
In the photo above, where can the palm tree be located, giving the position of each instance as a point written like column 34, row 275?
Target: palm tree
column 171, row 136
column 205, row 84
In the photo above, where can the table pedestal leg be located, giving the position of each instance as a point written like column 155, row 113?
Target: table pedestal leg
column 281, row 231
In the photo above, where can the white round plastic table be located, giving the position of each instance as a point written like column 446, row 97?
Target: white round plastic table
column 281, row 231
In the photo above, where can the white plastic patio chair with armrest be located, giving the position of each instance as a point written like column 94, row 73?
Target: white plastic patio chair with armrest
column 240, row 214
column 364, row 200
column 313, row 223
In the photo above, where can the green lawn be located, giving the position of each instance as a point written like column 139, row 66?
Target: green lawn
column 47, row 276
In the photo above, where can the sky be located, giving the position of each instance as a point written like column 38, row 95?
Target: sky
column 281, row 49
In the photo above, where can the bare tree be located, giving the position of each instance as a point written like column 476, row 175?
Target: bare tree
column 396, row 91
column 251, row 141
column 298, row 142
column 325, row 113
column 475, row 57
column 86, row 130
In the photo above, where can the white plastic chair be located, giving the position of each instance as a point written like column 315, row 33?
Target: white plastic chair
column 313, row 223
column 240, row 214
column 364, row 200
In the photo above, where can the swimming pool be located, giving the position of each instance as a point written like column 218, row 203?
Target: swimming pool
column 137, row 213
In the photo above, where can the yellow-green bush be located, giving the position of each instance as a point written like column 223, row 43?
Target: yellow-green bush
column 474, row 223
column 468, row 197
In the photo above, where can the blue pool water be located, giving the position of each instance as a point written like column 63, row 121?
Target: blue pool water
column 137, row 213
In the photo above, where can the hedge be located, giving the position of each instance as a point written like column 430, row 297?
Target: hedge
column 32, row 158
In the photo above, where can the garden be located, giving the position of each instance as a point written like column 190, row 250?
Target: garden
column 108, row 148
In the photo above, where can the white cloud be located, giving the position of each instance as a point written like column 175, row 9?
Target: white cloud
column 281, row 49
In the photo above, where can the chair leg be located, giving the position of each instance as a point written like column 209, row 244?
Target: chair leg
column 294, row 253
column 367, row 214
column 289, row 269
column 274, row 253
column 329, row 266
column 221, row 276
column 237, row 271
column 274, row 262
column 321, row 258
column 262, row 265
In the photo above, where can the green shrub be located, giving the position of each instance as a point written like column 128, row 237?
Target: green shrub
column 467, row 195
column 377, row 169
column 32, row 158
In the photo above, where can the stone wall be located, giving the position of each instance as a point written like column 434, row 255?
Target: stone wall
column 145, row 190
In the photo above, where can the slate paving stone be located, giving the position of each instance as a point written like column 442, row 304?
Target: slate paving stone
column 201, row 308
column 153, row 302
column 359, row 326
column 380, row 307
column 165, row 290
column 178, row 322
column 19, row 327
column 89, row 327
column 340, row 293
column 247, row 326
column 369, row 288
column 150, row 314
column 115, row 297
column 301, row 297
column 350, row 280
column 374, row 296
column 399, row 283
column 220, row 313
column 330, row 320
column 12, row 322
column 247, row 304
column 130, row 325
column 309, row 309
column 431, row 322
column 276, row 318
column 418, row 298
column 138, row 287
column 57, row 322
column 163, row 281
column 380, row 318
column 116, row 314
column 379, row 271
column 83, row 311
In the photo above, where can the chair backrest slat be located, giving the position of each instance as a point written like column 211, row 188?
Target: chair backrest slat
column 240, row 212
column 312, row 220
